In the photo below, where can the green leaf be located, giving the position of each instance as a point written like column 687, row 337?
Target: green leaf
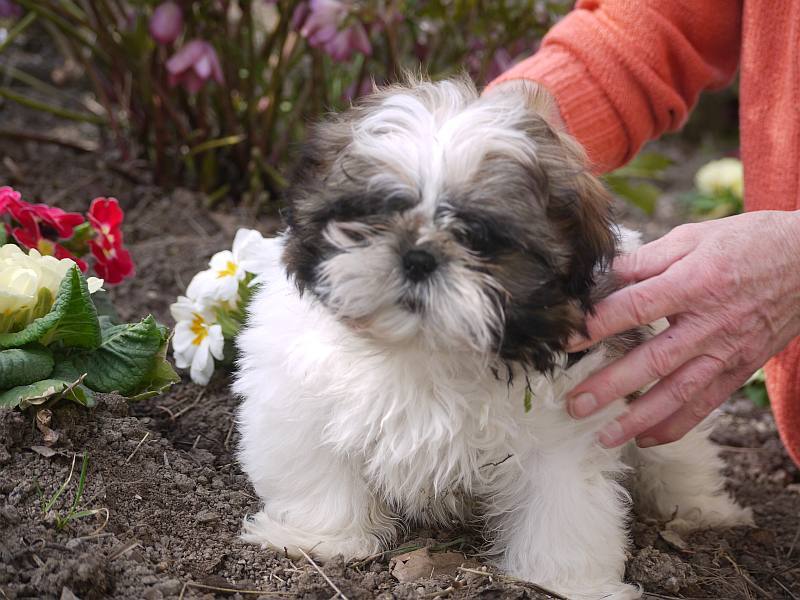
column 643, row 195
column 105, row 308
column 648, row 165
column 35, row 393
column 129, row 361
column 228, row 322
column 78, row 244
column 77, row 391
column 757, row 395
column 528, row 399
column 23, row 366
column 3, row 236
column 159, row 379
column 72, row 320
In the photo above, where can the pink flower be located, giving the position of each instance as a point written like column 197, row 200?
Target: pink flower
column 112, row 261
column 9, row 10
column 327, row 27
column 166, row 23
column 193, row 65
column 8, row 196
column 31, row 216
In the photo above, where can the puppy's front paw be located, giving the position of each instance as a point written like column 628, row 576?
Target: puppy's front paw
column 709, row 512
column 351, row 544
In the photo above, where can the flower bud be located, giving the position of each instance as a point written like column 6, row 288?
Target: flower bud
column 166, row 23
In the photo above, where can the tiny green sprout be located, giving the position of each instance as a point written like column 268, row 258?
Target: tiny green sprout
column 61, row 520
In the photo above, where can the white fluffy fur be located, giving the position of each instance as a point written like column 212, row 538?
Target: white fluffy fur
column 361, row 414
column 342, row 438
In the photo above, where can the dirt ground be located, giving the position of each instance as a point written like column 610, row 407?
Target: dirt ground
column 168, row 498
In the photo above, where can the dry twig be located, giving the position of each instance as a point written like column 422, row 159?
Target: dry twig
column 510, row 579
column 139, row 445
column 321, row 572
column 226, row 590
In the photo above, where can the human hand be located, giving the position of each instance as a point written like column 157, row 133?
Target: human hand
column 731, row 291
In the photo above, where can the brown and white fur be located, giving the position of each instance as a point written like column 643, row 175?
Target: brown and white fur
column 441, row 248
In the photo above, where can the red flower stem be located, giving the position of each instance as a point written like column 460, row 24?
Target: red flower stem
column 103, row 99
column 393, row 67
column 286, row 45
column 247, row 28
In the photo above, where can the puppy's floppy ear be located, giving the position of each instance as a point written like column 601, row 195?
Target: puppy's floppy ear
column 582, row 211
column 578, row 204
column 306, row 199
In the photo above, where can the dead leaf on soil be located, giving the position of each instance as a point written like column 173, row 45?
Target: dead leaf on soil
column 43, row 419
column 67, row 594
column 422, row 564
column 674, row 539
column 45, row 451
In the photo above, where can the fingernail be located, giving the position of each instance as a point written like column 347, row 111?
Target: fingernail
column 647, row 442
column 611, row 435
column 582, row 405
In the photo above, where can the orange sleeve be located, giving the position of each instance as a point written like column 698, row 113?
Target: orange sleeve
column 625, row 71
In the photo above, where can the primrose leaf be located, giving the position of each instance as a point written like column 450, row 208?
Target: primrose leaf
column 23, row 366
column 129, row 361
column 35, row 393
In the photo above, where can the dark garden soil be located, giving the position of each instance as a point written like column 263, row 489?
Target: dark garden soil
column 167, row 494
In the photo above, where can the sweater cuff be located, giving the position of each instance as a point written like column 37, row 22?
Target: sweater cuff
column 587, row 112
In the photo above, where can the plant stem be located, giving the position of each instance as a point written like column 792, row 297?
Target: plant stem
column 18, row 29
column 36, row 84
column 54, row 110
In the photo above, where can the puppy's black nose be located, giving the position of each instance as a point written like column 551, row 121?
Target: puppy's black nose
column 418, row 264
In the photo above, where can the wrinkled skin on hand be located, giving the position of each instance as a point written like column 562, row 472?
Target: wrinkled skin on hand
column 730, row 289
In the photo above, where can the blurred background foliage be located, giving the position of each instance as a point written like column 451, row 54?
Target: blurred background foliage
column 214, row 93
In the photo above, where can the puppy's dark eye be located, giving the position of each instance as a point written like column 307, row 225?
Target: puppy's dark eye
column 475, row 235
column 481, row 236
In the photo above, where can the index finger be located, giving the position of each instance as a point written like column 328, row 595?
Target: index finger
column 653, row 258
column 632, row 306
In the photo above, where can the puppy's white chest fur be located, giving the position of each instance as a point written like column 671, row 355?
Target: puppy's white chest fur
column 341, row 436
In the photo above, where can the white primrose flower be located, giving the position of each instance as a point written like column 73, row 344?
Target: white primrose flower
column 221, row 282
column 720, row 176
column 259, row 255
column 198, row 339
column 95, row 284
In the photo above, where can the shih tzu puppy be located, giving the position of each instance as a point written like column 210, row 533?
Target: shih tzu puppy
column 404, row 360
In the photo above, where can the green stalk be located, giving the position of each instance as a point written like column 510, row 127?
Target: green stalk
column 53, row 110
column 230, row 140
column 36, row 84
column 17, row 29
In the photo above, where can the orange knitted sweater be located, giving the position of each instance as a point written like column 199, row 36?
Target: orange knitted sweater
column 626, row 71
